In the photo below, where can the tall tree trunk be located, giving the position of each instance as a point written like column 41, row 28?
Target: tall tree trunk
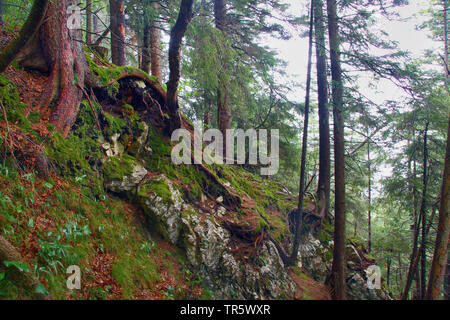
column 176, row 38
column 299, row 220
column 447, row 278
column 155, row 44
column 95, row 21
column 223, row 99
column 338, row 267
column 151, row 55
column 88, row 22
column 423, row 255
column 117, row 13
column 413, row 270
column 34, row 21
column 146, row 50
column 440, row 257
column 323, row 188
column 59, row 51
column 369, row 218
column 388, row 271
column 413, row 191
column 446, row 43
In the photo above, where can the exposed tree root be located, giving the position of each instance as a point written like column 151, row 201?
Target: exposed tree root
column 9, row 253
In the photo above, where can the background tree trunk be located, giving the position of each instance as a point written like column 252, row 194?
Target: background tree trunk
column 423, row 256
column 369, row 218
column 58, row 51
column 117, row 13
column 338, row 267
column 447, row 277
column 155, row 44
column 299, row 220
column 223, row 96
column 176, row 38
column 151, row 54
column 146, row 50
column 28, row 30
column 440, row 257
column 88, row 22
column 323, row 188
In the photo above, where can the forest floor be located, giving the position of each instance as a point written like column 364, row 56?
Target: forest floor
column 46, row 218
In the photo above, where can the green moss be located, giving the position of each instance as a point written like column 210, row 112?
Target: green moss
column 78, row 159
column 128, row 109
column 34, row 117
column 113, row 125
column 158, row 187
column 13, row 107
column 118, row 167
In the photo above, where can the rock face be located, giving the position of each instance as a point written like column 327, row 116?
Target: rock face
column 163, row 204
column 208, row 249
column 211, row 249
column 316, row 257
column 208, row 246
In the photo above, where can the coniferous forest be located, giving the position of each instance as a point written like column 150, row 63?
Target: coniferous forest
column 224, row 150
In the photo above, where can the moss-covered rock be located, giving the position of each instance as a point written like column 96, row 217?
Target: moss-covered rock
column 122, row 174
column 163, row 204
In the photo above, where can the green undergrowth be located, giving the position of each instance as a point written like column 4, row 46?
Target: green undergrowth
column 14, row 109
column 78, row 156
column 56, row 227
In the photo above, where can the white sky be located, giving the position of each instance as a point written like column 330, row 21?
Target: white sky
column 402, row 30
column 294, row 51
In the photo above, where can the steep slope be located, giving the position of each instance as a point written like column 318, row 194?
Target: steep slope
column 111, row 201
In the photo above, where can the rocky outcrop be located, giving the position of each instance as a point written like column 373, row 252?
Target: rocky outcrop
column 316, row 257
column 122, row 174
column 208, row 249
column 208, row 246
column 163, row 204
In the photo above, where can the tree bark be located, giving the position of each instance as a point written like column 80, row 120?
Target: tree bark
column 412, row 264
column 58, row 51
column 440, row 257
column 28, row 30
column 338, row 267
column 323, row 189
column 176, row 38
column 151, row 55
column 146, row 50
column 369, row 218
column 447, row 279
column 299, row 220
column 117, row 13
column 446, row 43
column 423, row 255
column 88, row 22
column 155, row 44
column 388, row 271
column 223, row 97
column 420, row 221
